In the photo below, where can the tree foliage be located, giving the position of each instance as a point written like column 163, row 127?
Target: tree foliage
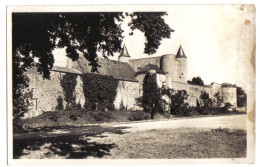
column 241, row 97
column 206, row 100
column 99, row 89
column 196, row 81
column 151, row 100
column 36, row 35
column 153, row 27
column 178, row 101
column 68, row 84
column 218, row 99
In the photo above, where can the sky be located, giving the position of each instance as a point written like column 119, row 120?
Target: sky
column 211, row 37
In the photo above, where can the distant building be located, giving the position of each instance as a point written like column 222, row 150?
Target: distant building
column 170, row 69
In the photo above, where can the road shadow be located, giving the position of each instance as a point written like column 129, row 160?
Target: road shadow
column 74, row 144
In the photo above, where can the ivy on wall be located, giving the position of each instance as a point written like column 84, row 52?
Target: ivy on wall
column 100, row 89
column 68, row 83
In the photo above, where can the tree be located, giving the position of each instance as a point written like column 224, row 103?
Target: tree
column 218, row 99
column 36, row 35
column 196, row 81
column 241, row 97
column 206, row 100
column 179, row 106
column 151, row 100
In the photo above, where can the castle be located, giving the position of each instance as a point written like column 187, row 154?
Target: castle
column 170, row 69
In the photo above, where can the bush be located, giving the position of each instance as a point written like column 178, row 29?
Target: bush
column 218, row 100
column 179, row 106
column 206, row 100
column 198, row 108
column 60, row 103
column 73, row 117
column 196, row 81
column 226, row 107
column 68, row 83
column 53, row 117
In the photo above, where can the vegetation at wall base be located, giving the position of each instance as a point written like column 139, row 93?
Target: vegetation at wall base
column 99, row 91
column 68, row 84
column 71, row 118
column 151, row 101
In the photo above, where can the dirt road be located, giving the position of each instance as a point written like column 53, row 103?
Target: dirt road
column 231, row 121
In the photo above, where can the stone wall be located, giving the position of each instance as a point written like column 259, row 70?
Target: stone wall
column 46, row 92
column 194, row 91
column 80, row 98
column 127, row 92
column 137, row 64
column 230, row 95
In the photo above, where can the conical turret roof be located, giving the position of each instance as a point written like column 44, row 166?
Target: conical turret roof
column 180, row 53
column 124, row 52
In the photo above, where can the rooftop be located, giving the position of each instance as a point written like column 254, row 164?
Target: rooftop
column 149, row 67
column 119, row 70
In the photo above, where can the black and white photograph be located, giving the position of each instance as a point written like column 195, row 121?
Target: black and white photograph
column 131, row 82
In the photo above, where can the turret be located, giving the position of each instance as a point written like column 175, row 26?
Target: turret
column 124, row 56
column 168, row 65
column 182, row 66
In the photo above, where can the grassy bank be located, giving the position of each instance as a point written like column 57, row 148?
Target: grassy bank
column 181, row 143
column 72, row 118
column 100, row 142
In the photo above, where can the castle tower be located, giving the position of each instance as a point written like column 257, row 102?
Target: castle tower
column 182, row 66
column 169, row 66
column 124, row 56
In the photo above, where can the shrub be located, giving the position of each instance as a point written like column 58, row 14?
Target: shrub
column 198, row 107
column 73, row 117
column 53, row 117
column 68, row 83
column 226, row 107
column 196, row 81
column 179, row 106
column 122, row 107
column 59, row 103
column 206, row 100
column 218, row 100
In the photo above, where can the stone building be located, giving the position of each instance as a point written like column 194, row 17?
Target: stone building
column 170, row 69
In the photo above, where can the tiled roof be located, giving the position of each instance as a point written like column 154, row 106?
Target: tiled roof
column 149, row 67
column 55, row 68
column 65, row 70
column 119, row 70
